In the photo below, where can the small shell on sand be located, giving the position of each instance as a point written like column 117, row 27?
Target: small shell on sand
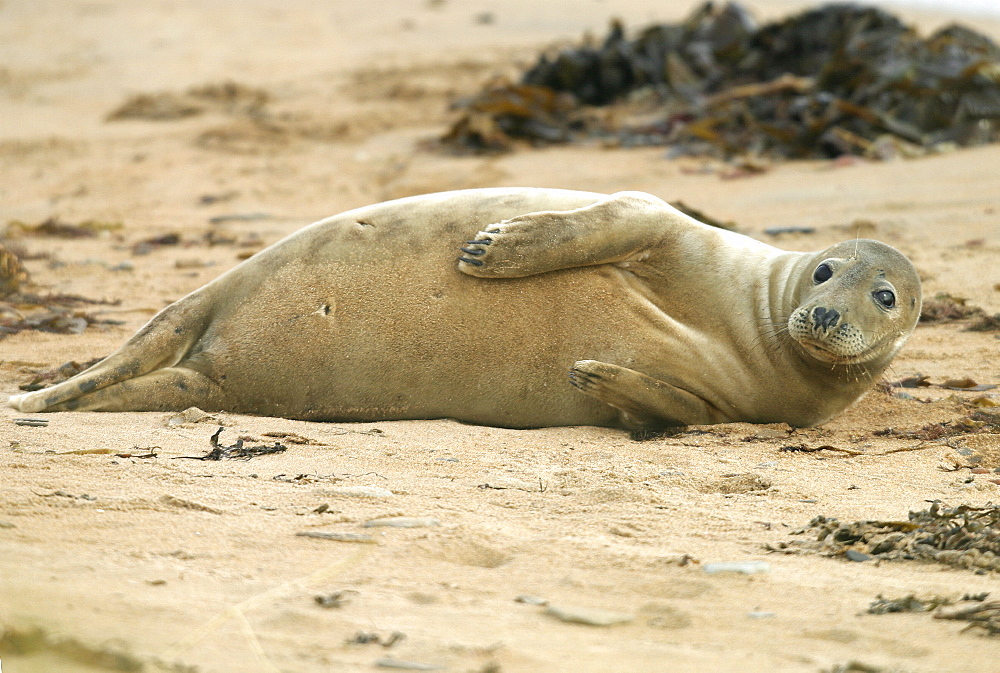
column 402, row 522
column 742, row 567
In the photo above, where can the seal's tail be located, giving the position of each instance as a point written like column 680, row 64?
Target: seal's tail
column 162, row 343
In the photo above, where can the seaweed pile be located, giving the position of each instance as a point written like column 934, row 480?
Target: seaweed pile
column 962, row 536
column 835, row 80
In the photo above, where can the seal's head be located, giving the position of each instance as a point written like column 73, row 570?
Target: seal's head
column 860, row 301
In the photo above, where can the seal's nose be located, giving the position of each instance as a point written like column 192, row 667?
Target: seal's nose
column 825, row 318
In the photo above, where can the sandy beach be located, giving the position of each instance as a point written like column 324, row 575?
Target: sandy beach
column 117, row 553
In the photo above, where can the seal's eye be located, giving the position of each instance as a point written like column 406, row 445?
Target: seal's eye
column 886, row 298
column 822, row 273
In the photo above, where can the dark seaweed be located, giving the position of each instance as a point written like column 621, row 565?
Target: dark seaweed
column 56, row 313
column 835, row 80
column 236, row 451
column 962, row 536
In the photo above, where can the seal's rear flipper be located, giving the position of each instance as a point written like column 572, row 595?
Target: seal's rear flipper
column 169, row 389
column 162, row 343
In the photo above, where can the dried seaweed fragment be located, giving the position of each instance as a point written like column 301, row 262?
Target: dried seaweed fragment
column 985, row 323
column 12, row 273
column 237, row 451
column 56, row 321
column 56, row 313
column 156, row 107
column 979, row 612
column 56, row 228
column 503, row 113
column 229, row 97
column 944, row 307
column 146, row 246
column 962, row 536
column 855, row 666
column 979, row 421
column 908, row 603
column 975, row 609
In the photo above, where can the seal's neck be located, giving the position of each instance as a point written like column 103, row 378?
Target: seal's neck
column 782, row 292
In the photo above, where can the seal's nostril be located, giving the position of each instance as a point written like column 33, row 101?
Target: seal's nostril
column 825, row 318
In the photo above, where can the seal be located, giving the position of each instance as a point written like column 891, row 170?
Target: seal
column 658, row 319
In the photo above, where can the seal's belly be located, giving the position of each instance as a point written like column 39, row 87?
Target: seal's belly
column 490, row 351
column 358, row 321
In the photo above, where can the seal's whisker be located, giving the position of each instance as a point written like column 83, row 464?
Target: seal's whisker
column 889, row 374
column 773, row 335
column 773, row 329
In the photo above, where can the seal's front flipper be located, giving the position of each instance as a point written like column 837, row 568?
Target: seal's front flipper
column 645, row 402
column 611, row 230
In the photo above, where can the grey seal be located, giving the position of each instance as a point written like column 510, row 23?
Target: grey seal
column 563, row 308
